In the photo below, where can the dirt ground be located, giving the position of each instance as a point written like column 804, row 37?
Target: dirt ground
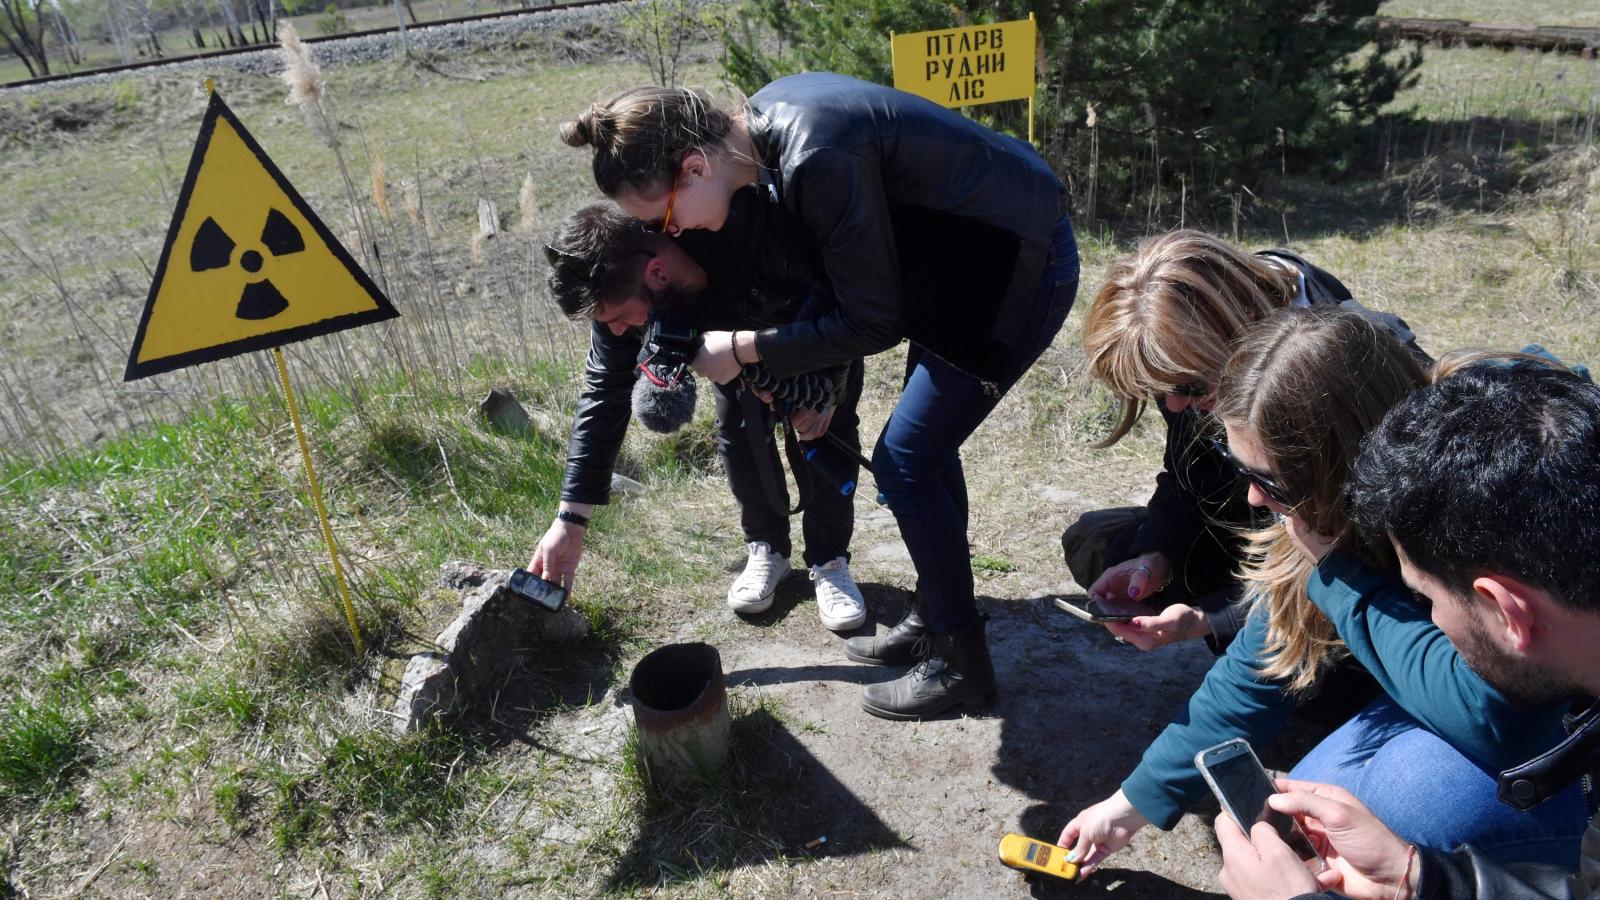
column 913, row 809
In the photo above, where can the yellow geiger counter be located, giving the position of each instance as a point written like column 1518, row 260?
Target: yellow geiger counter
column 1029, row 855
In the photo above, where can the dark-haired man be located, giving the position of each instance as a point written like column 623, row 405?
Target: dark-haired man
column 1488, row 486
column 609, row 268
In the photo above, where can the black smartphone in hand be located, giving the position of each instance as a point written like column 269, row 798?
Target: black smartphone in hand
column 536, row 590
column 1241, row 784
column 1090, row 611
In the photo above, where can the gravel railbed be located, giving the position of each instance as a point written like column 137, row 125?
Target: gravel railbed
column 444, row 38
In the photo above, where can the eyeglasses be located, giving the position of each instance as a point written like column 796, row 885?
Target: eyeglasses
column 1193, row 390
column 666, row 220
column 1265, row 482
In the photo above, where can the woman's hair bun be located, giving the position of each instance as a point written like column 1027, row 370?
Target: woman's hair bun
column 593, row 128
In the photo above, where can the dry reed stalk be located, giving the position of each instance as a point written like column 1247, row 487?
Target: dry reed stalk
column 21, row 433
column 432, row 277
column 380, row 185
column 497, row 265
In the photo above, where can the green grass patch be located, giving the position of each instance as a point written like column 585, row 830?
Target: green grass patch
column 41, row 746
column 422, row 779
column 997, row 565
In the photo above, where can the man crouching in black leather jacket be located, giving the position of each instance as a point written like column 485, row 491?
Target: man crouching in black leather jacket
column 1487, row 483
column 609, row 268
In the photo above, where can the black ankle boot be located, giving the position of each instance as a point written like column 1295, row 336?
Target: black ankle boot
column 894, row 648
column 957, row 672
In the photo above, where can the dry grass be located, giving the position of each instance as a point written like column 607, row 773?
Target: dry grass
column 195, row 718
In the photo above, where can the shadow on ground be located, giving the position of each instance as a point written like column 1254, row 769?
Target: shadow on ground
column 771, row 800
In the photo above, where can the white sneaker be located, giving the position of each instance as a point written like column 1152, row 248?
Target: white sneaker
column 752, row 591
column 839, row 601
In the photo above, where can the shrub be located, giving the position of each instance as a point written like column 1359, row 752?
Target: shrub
column 1209, row 91
column 332, row 21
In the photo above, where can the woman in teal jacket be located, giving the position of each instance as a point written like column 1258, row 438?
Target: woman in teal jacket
column 1295, row 400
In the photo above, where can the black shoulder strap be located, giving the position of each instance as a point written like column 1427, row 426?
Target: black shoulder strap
column 758, row 430
column 1321, row 287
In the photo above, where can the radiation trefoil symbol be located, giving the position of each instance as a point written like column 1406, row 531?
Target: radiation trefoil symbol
column 213, row 249
column 247, row 265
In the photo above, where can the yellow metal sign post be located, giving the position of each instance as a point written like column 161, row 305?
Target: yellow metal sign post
column 967, row 66
column 248, row 266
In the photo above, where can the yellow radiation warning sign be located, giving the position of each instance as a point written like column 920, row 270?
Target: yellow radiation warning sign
column 247, row 264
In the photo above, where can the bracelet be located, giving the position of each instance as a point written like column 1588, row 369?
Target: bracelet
column 733, row 341
column 1400, row 889
column 567, row 515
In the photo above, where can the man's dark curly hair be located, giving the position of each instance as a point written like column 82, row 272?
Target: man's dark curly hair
column 1493, row 469
column 595, row 258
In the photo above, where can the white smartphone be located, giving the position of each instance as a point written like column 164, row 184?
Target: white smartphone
column 1090, row 611
column 1241, row 784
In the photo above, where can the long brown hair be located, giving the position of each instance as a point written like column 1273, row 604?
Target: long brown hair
column 1171, row 313
column 1308, row 384
column 641, row 135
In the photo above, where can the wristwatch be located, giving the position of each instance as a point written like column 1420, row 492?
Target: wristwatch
column 567, row 515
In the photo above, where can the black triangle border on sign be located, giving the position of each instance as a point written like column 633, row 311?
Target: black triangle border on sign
column 384, row 311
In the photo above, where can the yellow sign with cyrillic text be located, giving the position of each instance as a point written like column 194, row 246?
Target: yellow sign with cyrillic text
column 966, row 66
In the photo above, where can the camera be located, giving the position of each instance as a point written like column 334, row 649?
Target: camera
column 670, row 345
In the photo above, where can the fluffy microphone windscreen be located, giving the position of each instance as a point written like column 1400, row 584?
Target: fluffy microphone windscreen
column 663, row 410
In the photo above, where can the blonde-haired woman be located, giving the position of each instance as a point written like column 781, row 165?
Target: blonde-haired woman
column 1295, row 400
column 1159, row 331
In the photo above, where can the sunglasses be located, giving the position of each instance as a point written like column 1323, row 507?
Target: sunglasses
column 666, row 220
column 1193, row 390
column 1265, row 482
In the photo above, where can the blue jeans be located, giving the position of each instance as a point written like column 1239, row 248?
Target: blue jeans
column 1429, row 794
column 917, row 463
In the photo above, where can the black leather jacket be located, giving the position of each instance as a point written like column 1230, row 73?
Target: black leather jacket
column 762, row 272
column 930, row 226
column 1466, row 874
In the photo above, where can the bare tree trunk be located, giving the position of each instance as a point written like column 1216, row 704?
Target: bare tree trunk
column 67, row 37
column 121, row 31
column 261, row 17
column 25, row 43
column 149, row 29
column 231, row 22
column 405, row 42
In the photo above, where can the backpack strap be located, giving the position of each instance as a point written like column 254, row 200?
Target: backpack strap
column 1322, row 289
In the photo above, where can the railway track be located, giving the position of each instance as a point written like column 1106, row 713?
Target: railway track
column 322, row 39
column 1583, row 41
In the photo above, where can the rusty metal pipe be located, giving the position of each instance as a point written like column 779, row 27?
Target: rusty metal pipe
column 680, row 703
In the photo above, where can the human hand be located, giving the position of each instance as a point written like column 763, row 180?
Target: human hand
column 1147, row 630
column 715, row 359
column 1365, row 859
column 1100, row 831
column 810, row 424
column 1311, row 543
column 1134, row 579
column 556, row 557
column 1260, row 866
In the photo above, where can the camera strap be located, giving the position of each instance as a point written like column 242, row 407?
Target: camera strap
column 758, row 434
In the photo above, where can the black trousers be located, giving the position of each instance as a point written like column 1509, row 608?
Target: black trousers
column 828, row 520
